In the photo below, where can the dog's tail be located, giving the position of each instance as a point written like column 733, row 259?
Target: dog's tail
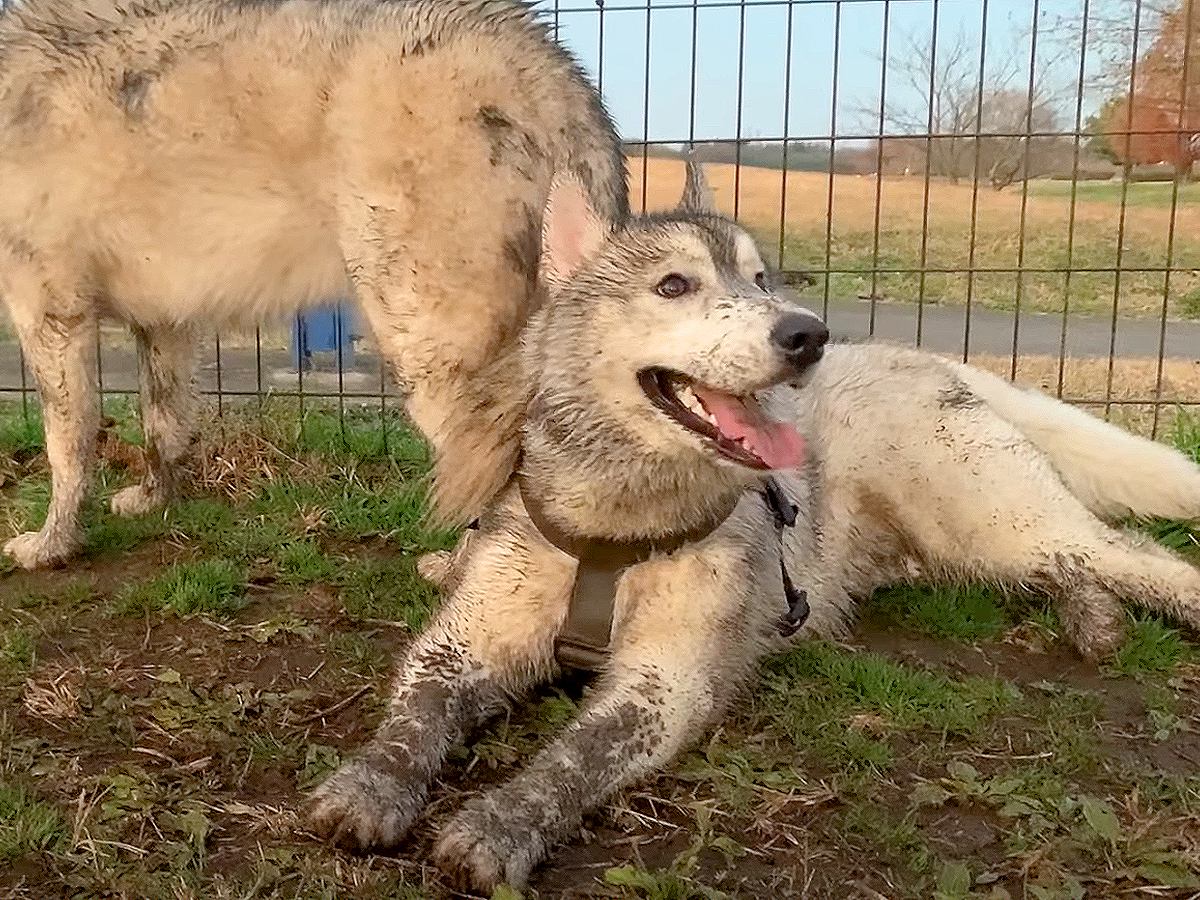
column 1112, row 472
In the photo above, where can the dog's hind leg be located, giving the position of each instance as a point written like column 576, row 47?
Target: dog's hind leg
column 1134, row 568
column 462, row 386
column 494, row 638
column 166, row 360
column 58, row 335
column 1047, row 540
column 675, row 661
column 446, row 286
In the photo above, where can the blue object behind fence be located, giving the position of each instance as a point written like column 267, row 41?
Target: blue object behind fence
column 318, row 330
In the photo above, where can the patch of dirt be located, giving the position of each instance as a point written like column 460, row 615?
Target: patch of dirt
column 239, row 722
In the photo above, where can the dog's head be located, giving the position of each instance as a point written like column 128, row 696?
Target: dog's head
column 662, row 333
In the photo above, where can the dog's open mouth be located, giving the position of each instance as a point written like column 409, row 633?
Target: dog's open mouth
column 736, row 426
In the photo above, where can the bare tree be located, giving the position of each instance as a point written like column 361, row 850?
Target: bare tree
column 1116, row 31
column 968, row 126
column 1017, row 141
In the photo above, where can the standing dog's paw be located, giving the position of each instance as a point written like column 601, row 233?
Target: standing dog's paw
column 481, row 848
column 137, row 500
column 361, row 807
column 33, row 550
column 434, row 567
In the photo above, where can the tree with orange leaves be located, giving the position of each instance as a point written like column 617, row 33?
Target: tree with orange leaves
column 1159, row 120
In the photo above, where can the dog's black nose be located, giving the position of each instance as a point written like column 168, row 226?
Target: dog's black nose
column 801, row 338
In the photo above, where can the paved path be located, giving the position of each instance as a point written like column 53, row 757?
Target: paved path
column 942, row 330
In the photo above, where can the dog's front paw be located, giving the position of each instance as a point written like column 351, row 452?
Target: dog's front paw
column 482, row 848
column 362, row 807
column 137, row 500
column 34, row 550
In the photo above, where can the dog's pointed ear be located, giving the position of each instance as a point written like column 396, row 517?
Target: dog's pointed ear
column 572, row 231
column 697, row 195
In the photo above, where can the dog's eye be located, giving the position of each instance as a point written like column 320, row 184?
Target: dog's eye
column 761, row 280
column 672, row 286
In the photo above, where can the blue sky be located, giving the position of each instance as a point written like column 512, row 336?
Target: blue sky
column 766, row 38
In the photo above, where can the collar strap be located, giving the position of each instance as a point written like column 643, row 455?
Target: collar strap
column 606, row 552
column 785, row 513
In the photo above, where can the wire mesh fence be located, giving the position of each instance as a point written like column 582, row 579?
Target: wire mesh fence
column 1008, row 182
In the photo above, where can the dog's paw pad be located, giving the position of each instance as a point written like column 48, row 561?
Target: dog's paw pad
column 361, row 807
column 136, row 500
column 478, row 853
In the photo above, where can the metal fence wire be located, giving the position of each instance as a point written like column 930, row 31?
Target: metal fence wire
column 1008, row 182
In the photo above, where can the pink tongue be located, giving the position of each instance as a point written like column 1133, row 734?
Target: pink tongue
column 777, row 444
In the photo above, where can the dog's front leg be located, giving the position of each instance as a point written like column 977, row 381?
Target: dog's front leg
column 680, row 647
column 493, row 638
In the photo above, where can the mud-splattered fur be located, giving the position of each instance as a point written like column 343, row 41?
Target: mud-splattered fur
column 918, row 468
column 194, row 164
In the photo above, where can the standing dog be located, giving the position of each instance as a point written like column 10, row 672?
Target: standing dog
column 182, row 163
column 667, row 380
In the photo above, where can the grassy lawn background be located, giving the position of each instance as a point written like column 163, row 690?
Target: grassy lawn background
column 1145, row 237
column 165, row 704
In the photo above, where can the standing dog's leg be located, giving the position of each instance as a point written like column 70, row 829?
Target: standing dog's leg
column 494, row 638
column 168, row 398
column 58, row 336
column 680, row 649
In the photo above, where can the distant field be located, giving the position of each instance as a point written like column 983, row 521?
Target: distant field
column 997, row 237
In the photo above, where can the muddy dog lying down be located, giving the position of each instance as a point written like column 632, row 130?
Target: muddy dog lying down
column 669, row 380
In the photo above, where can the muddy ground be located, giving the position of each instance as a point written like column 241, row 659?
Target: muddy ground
column 166, row 702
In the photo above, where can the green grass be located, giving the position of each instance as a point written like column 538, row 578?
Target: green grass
column 359, row 654
column 523, row 735
column 815, row 693
column 1152, row 647
column 212, row 586
column 17, row 651
column 1189, row 304
column 387, row 589
column 20, row 435
column 966, row 613
column 658, row 884
column 27, row 826
column 1068, row 723
column 906, row 697
column 1153, row 195
column 1182, row 537
column 901, row 250
column 1042, row 290
column 303, row 562
column 1185, row 434
column 894, row 835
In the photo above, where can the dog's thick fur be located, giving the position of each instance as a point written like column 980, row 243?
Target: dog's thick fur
column 918, row 468
column 188, row 164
